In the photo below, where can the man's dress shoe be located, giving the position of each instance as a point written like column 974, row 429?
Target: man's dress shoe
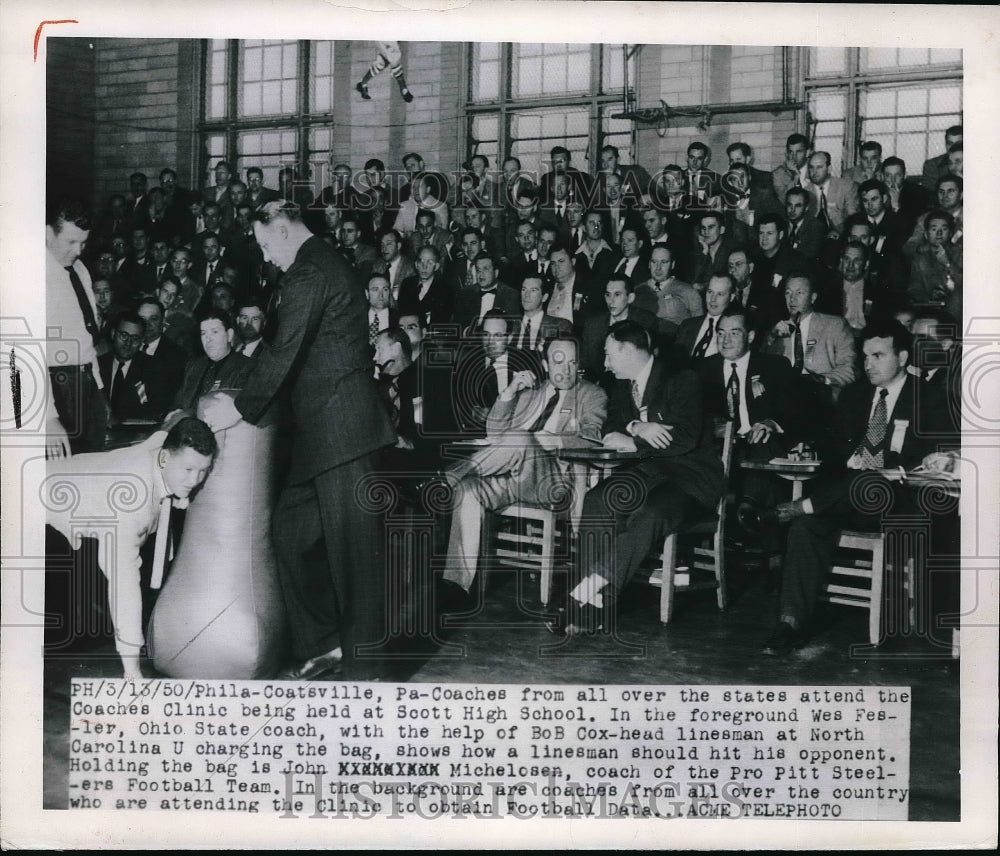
column 313, row 667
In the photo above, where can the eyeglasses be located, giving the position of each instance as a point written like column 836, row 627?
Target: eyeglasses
column 129, row 338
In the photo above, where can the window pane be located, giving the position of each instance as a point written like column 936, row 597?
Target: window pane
column 218, row 79
column 613, row 73
column 215, row 148
column 485, row 78
column 942, row 56
column 484, row 139
column 891, row 59
column 270, row 150
column 550, row 69
column 269, row 71
column 217, row 103
column 827, row 61
column 534, row 133
column 321, row 77
column 828, row 110
column 909, row 120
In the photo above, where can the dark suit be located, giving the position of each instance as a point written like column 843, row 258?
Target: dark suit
column 839, row 496
column 668, row 485
column 204, row 376
column 170, row 359
column 689, row 334
column 142, row 396
column 808, row 238
column 700, row 267
column 595, row 332
column 437, row 305
column 362, row 258
column 404, row 270
column 594, row 277
column 319, row 357
column 547, row 327
column 468, row 301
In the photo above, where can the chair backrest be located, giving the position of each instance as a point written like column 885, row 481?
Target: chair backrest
column 728, row 439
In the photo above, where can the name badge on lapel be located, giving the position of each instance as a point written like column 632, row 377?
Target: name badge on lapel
column 140, row 390
column 899, row 427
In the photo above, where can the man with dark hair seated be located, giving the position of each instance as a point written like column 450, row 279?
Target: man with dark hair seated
column 220, row 368
column 678, row 475
column 882, row 423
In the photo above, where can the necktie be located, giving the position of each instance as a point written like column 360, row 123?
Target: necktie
column 117, row 384
column 159, row 272
column 526, row 335
column 798, row 359
column 162, row 543
column 394, row 402
column 373, row 329
column 794, row 236
column 733, row 395
column 870, row 451
column 824, row 214
column 636, row 397
column 702, row 347
column 89, row 320
column 550, row 407
column 208, row 273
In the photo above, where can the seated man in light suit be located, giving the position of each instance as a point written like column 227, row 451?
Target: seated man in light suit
column 169, row 465
column 528, row 422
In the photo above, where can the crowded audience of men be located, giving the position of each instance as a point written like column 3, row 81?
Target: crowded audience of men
column 634, row 307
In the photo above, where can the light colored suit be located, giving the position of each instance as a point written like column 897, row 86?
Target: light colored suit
column 828, row 350
column 841, row 201
column 519, row 465
column 115, row 496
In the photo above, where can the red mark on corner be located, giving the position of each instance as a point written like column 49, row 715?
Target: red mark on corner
column 38, row 32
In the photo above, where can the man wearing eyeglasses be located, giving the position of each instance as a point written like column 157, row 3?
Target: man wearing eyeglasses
column 132, row 383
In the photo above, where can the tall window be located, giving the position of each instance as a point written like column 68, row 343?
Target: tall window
column 903, row 98
column 267, row 103
column 523, row 99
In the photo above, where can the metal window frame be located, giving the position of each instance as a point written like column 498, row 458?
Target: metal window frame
column 507, row 105
column 230, row 126
column 855, row 82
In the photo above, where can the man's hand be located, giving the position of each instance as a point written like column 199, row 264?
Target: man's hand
column 520, row 380
column 782, row 330
column 658, row 436
column 619, row 442
column 815, row 377
column 760, row 432
column 56, row 440
column 404, row 443
column 221, row 413
column 942, row 462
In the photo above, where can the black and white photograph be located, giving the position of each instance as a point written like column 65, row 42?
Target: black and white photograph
column 589, row 424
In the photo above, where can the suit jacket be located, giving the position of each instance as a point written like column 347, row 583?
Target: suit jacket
column 143, row 396
column 773, row 398
column 438, row 304
column 929, row 279
column 363, row 259
column 700, row 268
column 548, row 328
column 170, row 359
column 474, row 386
column 690, row 462
column 808, row 239
column 405, row 269
column 933, row 169
column 319, row 355
column 829, row 349
column 677, row 301
column 468, row 301
column 586, row 407
column 640, row 270
column 687, row 337
column 404, row 421
column 930, row 425
column 595, row 276
column 891, row 232
column 782, row 179
column 841, row 201
column 595, row 332
column 203, row 376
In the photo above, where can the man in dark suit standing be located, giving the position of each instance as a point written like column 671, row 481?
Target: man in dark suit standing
column 883, row 423
column 657, row 413
column 320, row 357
